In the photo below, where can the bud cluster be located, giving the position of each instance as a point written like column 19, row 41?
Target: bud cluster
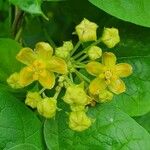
column 83, row 75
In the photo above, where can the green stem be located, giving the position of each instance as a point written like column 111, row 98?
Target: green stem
column 80, row 75
column 17, row 37
column 71, row 77
column 83, row 51
column 76, row 47
column 82, row 58
column 42, row 90
column 78, row 55
column 58, row 90
column 49, row 38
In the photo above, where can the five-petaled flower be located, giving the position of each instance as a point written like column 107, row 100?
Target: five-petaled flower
column 108, row 74
column 41, row 65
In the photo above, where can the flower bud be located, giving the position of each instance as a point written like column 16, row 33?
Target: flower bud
column 86, row 31
column 64, row 51
column 110, row 37
column 75, row 94
column 32, row 99
column 79, row 121
column 14, row 82
column 105, row 96
column 47, row 107
column 94, row 52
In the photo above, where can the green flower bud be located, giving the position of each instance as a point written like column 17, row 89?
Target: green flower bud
column 13, row 81
column 47, row 107
column 75, row 94
column 94, row 52
column 110, row 37
column 105, row 96
column 64, row 51
column 86, row 31
column 79, row 121
column 32, row 99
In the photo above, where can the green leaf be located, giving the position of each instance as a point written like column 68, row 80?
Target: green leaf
column 8, row 63
column 135, row 101
column 144, row 121
column 112, row 129
column 18, row 124
column 30, row 6
column 133, row 11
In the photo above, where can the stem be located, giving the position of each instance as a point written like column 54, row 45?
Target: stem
column 80, row 75
column 78, row 55
column 82, row 58
column 58, row 90
column 71, row 77
column 93, row 44
column 49, row 38
column 42, row 90
column 17, row 37
column 76, row 47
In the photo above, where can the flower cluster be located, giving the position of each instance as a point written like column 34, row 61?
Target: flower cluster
column 63, row 68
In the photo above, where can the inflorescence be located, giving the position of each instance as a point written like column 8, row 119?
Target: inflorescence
column 64, row 68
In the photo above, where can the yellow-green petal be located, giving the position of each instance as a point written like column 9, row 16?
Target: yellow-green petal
column 123, row 69
column 94, row 68
column 57, row 64
column 26, row 76
column 26, row 56
column 97, row 85
column 117, row 86
column 43, row 50
column 47, row 79
column 109, row 59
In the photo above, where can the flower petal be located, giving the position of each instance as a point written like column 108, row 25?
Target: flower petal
column 97, row 85
column 26, row 56
column 109, row 59
column 117, row 86
column 57, row 64
column 94, row 68
column 44, row 50
column 123, row 69
column 26, row 76
column 47, row 79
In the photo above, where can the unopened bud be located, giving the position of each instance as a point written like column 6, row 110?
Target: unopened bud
column 94, row 52
column 47, row 107
column 105, row 96
column 110, row 37
column 79, row 121
column 14, row 81
column 75, row 94
column 32, row 99
column 86, row 31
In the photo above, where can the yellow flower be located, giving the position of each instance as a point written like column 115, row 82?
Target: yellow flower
column 47, row 107
column 32, row 99
column 79, row 121
column 110, row 37
column 86, row 31
column 41, row 65
column 108, row 74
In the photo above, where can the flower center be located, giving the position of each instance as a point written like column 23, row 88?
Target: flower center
column 38, row 68
column 108, row 74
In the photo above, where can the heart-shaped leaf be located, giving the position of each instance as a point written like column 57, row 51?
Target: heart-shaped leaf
column 112, row 129
column 133, row 11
